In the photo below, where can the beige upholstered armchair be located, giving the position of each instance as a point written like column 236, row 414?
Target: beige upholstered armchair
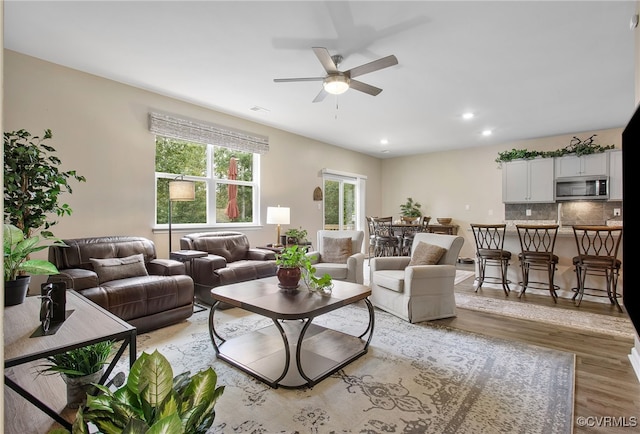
column 418, row 292
column 339, row 254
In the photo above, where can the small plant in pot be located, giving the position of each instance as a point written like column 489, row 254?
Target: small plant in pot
column 410, row 210
column 80, row 368
column 296, row 236
column 17, row 249
column 290, row 264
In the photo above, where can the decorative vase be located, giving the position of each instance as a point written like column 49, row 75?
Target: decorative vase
column 78, row 387
column 289, row 277
column 15, row 291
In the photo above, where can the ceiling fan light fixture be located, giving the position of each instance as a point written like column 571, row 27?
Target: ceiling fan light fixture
column 336, row 84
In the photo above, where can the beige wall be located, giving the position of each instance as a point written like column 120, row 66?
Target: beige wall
column 446, row 182
column 100, row 128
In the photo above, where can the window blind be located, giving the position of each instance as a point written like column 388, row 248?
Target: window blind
column 201, row 132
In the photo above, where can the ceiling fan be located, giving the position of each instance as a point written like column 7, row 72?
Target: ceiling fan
column 337, row 82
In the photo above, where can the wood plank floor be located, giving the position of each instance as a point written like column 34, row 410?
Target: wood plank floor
column 606, row 384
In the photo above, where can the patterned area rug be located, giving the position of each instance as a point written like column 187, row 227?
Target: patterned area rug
column 416, row 378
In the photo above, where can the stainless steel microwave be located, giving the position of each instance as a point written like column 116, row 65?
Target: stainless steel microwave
column 582, row 188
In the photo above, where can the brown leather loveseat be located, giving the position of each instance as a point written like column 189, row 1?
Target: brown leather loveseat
column 230, row 259
column 123, row 275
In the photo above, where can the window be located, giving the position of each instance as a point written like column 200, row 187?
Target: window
column 224, row 183
column 224, row 165
column 343, row 200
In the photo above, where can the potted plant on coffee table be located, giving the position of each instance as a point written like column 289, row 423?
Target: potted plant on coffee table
column 290, row 263
column 322, row 284
column 80, row 369
column 17, row 264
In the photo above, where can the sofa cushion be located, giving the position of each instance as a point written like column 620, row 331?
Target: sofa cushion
column 335, row 270
column 426, row 254
column 119, row 268
column 336, row 250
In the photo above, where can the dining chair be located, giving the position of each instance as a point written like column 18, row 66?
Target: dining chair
column 372, row 236
column 387, row 243
column 597, row 256
column 408, row 236
column 537, row 243
column 490, row 251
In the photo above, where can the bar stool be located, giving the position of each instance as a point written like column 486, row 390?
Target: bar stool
column 537, row 243
column 490, row 251
column 597, row 256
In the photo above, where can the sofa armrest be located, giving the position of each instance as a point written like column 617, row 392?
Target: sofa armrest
column 355, row 265
column 260, row 255
column 204, row 270
column 165, row 267
column 75, row 278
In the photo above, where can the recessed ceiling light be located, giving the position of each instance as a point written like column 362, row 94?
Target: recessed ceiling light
column 487, row 132
column 384, row 141
column 384, row 151
column 467, row 115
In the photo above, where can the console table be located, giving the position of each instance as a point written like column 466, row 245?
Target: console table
column 86, row 324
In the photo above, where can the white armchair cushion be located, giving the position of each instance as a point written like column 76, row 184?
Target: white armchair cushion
column 336, row 250
column 426, row 254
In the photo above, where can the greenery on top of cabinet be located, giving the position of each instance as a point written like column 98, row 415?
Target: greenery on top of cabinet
column 576, row 146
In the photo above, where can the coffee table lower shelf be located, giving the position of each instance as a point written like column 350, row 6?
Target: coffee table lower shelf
column 263, row 353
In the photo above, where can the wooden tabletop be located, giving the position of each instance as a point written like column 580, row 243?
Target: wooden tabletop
column 263, row 296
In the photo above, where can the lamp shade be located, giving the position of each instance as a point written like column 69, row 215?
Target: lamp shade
column 182, row 191
column 277, row 215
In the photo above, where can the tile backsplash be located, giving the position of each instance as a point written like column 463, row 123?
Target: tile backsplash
column 566, row 213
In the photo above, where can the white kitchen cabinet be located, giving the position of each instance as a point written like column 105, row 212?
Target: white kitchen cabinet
column 528, row 181
column 584, row 165
column 615, row 175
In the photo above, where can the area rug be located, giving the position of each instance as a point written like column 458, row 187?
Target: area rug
column 593, row 322
column 416, row 378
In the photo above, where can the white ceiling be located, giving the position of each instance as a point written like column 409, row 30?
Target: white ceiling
column 527, row 69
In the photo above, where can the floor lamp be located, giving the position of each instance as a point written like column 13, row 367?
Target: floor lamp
column 180, row 191
column 277, row 216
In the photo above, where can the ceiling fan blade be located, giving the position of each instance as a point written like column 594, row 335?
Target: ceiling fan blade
column 325, row 58
column 286, row 80
column 364, row 87
column 385, row 62
column 321, row 96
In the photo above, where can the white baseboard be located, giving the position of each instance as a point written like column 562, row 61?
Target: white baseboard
column 634, row 358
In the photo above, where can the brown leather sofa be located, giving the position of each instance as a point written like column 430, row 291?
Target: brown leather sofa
column 123, row 275
column 230, row 260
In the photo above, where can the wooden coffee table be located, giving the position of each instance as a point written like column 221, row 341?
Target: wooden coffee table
column 266, row 354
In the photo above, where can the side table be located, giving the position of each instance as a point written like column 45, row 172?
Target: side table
column 187, row 257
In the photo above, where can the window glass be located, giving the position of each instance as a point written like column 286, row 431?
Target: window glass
column 224, row 183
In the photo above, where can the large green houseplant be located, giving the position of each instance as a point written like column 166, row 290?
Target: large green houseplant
column 153, row 401
column 33, row 182
column 17, row 263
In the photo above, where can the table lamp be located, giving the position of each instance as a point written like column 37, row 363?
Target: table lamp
column 180, row 191
column 277, row 216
